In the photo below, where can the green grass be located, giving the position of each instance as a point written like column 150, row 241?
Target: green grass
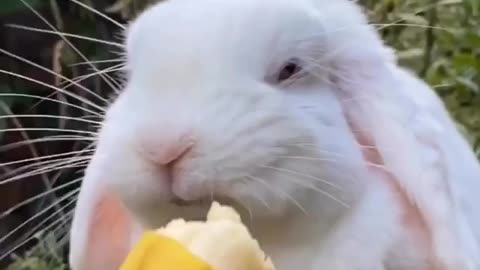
column 44, row 256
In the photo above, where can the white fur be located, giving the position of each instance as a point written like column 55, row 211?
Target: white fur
column 202, row 67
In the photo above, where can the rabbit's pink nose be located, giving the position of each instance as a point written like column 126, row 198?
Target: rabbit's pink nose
column 167, row 151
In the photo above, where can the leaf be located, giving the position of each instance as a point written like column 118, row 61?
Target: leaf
column 449, row 2
column 472, row 39
column 410, row 53
column 462, row 62
column 413, row 19
column 469, row 84
column 473, row 6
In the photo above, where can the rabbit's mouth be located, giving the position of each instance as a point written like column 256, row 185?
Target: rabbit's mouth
column 201, row 202
column 184, row 203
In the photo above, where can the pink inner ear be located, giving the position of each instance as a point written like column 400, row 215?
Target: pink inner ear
column 109, row 233
column 412, row 218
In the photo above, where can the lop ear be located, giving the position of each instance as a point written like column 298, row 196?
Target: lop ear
column 102, row 231
column 421, row 148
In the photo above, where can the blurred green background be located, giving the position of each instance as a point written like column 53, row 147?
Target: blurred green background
column 440, row 40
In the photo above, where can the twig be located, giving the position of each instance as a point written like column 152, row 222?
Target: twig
column 430, row 39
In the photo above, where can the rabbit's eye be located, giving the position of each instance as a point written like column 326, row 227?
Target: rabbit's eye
column 289, row 70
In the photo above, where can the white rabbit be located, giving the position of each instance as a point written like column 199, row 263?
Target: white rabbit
column 295, row 112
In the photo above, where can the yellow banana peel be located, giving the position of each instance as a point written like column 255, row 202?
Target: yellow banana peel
column 221, row 242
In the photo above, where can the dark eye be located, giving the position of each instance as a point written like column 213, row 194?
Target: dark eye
column 289, row 70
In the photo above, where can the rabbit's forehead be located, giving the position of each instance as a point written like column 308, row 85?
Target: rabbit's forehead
column 195, row 33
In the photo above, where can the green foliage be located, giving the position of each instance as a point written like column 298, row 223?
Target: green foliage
column 440, row 40
column 36, row 263
column 12, row 6
column 45, row 256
